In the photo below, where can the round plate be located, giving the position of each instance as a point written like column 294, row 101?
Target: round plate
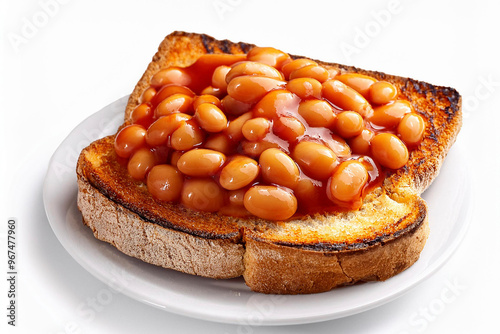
column 231, row 301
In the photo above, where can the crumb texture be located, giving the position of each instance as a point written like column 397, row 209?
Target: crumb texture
column 157, row 245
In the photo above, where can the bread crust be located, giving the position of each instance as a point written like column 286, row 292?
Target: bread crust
column 308, row 255
column 152, row 243
column 288, row 270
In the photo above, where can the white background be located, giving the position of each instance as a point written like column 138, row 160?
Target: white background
column 61, row 61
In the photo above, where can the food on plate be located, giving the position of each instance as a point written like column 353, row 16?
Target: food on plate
column 297, row 174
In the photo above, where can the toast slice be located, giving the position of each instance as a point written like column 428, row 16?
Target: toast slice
column 314, row 253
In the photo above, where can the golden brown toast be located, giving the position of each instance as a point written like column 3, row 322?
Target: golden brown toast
column 314, row 253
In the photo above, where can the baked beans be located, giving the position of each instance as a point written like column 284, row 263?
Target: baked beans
column 234, row 129
column 206, row 99
column 159, row 132
column 269, row 56
column 348, row 181
column 278, row 168
column 250, row 89
column 201, row 162
column 361, row 143
column 317, row 113
column 219, row 142
column 148, row 95
column 142, row 115
column 255, row 149
column 345, row 97
column 210, row 117
column 253, row 68
column 171, row 75
column 165, row 182
column 296, row 65
column 173, row 104
column 359, row 82
column 219, row 77
column 238, row 173
column 140, row 163
column 256, row 128
column 289, row 128
column 311, row 71
column 390, row 114
column 316, row 160
column 203, row 195
column 305, row 88
column 186, row 136
column 382, row 92
column 266, row 135
column 129, row 139
column 276, row 103
column 411, row 129
column 234, row 107
column 389, row 151
column 270, row 202
column 349, row 124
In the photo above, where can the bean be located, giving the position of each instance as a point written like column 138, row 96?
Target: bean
column 165, row 182
column 201, row 162
column 316, row 160
column 250, row 89
column 348, row 181
column 270, row 202
column 210, row 117
column 389, row 151
column 345, row 97
column 238, row 173
column 203, row 195
column 279, row 168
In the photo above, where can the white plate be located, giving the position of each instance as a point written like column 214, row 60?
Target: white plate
column 231, row 301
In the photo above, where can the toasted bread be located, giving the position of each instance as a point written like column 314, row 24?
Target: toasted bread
column 310, row 254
